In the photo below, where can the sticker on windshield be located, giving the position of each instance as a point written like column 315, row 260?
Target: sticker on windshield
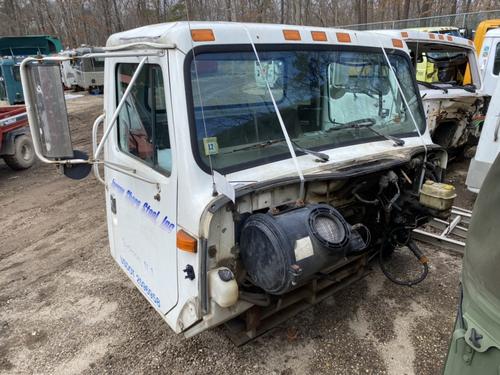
column 211, row 146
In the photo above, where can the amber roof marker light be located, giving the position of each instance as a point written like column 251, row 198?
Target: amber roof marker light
column 292, row 35
column 319, row 36
column 202, row 35
column 343, row 37
column 398, row 43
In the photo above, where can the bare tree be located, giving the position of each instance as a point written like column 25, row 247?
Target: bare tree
column 92, row 21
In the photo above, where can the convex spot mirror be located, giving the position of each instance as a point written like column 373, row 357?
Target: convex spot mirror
column 78, row 171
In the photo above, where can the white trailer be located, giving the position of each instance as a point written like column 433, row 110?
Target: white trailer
column 82, row 74
column 250, row 170
column 68, row 73
column 441, row 62
column 89, row 73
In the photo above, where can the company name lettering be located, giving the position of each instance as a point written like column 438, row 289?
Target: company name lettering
column 146, row 209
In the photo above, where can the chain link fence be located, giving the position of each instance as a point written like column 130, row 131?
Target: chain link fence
column 467, row 21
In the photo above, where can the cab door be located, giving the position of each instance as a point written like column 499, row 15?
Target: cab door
column 141, row 179
column 489, row 62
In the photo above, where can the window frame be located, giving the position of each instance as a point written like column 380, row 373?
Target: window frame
column 149, row 68
column 279, row 47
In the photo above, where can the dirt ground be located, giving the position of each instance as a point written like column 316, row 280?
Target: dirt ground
column 67, row 308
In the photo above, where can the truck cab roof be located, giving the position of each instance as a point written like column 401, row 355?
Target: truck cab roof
column 493, row 33
column 409, row 35
column 177, row 35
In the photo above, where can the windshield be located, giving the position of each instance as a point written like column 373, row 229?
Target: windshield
column 317, row 91
column 440, row 64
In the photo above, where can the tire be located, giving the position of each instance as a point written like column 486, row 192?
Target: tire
column 24, row 154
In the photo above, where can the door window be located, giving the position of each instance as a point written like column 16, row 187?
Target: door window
column 142, row 122
column 496, row 63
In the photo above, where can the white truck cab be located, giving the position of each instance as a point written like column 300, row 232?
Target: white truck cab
column 441, row 62
column 489, row 61
column 250, row 170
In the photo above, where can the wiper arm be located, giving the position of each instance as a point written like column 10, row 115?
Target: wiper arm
column 257, row 145
column 360, row 123
column 368, row 124
column 397, row 141
column 433, row 86
column 323, row 157
column 320, row 155
column 469, row 88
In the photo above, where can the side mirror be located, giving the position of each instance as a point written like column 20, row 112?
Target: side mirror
column 44, row 94
column 51, row 118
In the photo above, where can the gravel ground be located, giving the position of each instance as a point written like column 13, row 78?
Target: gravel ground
column 66, row 307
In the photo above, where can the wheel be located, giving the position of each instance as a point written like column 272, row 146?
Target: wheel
column 24, row 154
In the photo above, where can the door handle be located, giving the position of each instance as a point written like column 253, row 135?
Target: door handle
column 497, row 127
column 113, row 204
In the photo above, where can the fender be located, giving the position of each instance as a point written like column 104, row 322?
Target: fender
column 7, row 145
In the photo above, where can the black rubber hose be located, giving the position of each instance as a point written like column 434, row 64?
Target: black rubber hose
column 418, row 254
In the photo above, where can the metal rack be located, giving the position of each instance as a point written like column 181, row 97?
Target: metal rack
column 449, row 234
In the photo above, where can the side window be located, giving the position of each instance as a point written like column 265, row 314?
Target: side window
column 142, row 122
column 16, row 72
column 496, row 63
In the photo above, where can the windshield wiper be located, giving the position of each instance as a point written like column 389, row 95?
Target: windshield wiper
column 323, row 157
column 469, row 88
column 368, row 124
column 432, row 86
column 257, row 145
column 320, row 155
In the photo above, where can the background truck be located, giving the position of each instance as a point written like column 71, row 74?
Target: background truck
column 488, row 146
column 12, row 50
column 11, row 90
column 450, row 104
column 479, row 35
column 489, row 61
column 16, row 146
column 83, row 74
column 251, row 170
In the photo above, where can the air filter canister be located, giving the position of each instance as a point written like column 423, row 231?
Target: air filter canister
column 329, row 227
column 280, row 252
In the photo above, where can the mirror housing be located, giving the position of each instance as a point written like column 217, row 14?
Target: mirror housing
column 50, row 118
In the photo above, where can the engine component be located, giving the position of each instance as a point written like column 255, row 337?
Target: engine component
column 280, row 252
column 401, row 237
column 437, row 195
